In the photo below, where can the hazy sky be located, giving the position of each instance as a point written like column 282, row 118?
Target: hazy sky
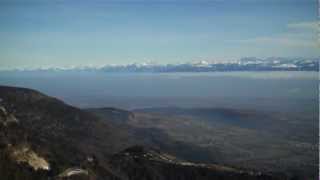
column 73, row 32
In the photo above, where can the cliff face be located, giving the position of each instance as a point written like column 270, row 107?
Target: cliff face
column 41, row 137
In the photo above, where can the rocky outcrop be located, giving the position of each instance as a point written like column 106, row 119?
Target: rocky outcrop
column 147, row 164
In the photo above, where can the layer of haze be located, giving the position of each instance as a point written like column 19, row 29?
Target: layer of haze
column 285, row 91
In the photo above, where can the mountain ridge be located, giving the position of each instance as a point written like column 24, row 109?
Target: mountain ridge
column 243, row 64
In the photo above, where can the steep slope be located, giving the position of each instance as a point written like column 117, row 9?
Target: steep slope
column 46, row 136
column 42, row 137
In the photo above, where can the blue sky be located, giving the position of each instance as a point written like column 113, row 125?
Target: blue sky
column 43, row 33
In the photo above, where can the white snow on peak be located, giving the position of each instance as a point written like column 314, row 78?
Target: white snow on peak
column 286, row 66
column 201, row 63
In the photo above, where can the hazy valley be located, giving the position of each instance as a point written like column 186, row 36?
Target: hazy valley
column 271, row 132
column 43, row 138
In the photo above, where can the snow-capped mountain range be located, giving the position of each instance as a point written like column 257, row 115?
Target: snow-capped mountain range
column 244, row 64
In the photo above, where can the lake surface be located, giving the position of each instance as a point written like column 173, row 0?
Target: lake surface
column 289, row 91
